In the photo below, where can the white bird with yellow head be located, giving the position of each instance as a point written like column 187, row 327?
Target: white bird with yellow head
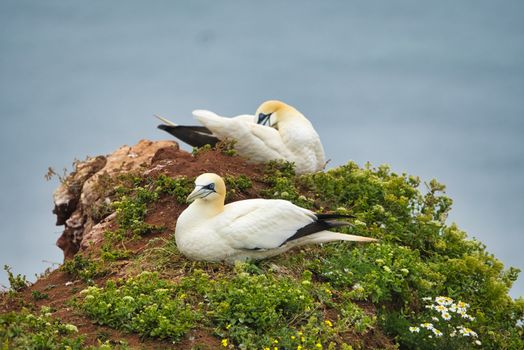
column 249, row 229
column 277, row 132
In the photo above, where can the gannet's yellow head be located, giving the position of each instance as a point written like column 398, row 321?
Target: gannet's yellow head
column 272, row 112
column 208, row 187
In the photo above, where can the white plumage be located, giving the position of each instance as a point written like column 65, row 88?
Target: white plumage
column 249, row 229
column 277, row 131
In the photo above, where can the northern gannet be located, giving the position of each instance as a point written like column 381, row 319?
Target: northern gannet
column 276, row 131
column 248, row 229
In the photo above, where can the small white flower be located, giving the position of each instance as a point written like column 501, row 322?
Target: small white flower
column 71, row 328
column 414, row 329
column 427, row 298
column 427, row 325
column 444, row 300
column 434, row 319
column 478, row 342
column 441, row 308
column 437, row 332
column 446, row 316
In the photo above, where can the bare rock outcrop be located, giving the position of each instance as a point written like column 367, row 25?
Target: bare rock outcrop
column 80, row 193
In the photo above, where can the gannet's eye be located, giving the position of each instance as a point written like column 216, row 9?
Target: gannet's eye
column 211, row 187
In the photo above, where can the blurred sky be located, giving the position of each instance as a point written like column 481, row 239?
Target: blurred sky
column 435, row 89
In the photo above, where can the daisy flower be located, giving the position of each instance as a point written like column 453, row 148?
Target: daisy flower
column 414, row 329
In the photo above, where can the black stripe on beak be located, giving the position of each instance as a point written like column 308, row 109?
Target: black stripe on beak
column 263, row 119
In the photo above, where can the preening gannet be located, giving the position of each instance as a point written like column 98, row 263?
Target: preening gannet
column 248, row 229
column 276, row 131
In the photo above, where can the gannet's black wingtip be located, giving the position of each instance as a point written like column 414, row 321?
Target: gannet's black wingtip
column 320, row 224
column 334, row 216
column 196, row 136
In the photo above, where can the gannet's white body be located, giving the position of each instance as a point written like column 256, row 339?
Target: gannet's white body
column 277, row 131
column 249, row 229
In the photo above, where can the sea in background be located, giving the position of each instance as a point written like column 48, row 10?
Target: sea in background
column 435, row 89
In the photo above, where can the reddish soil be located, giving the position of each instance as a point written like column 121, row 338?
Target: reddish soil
column 173, row 162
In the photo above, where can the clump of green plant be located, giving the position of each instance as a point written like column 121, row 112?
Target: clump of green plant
column 144, row 304
column 24, row 330
column 37, row 295
column 133, row 197
column 16, row 282
column 84, row 268
column 381, row 272
column 280, row 176
column 199, row 150
column 263, row 310
column 227, row 147
column 180, row 187
column 131, row 211
column 235, row 184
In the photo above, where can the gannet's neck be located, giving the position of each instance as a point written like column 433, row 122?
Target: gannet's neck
column 288, row 117
column 207, row 209
column 197, row 213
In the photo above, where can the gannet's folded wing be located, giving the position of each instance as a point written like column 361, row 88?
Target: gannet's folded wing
column 256, row 142
column 260, row 223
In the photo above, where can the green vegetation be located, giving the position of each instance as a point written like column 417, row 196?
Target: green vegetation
column 337, row 296
column 145, row 304
column 24, row 330
column 133, row 196
column 37, row 295
column 236, row 184
column 84, row 268
column 251, row 310
column 16, row 282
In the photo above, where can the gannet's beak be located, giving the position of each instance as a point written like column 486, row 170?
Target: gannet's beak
column 263, row 119
column 198, row 192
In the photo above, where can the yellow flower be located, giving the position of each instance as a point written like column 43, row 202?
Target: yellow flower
column 275, row 341
column 293, row 337
column 302, row 339
column 299, row 347
column 224, row 342
column 228, row 326
column 318, row 345
column 328, row 323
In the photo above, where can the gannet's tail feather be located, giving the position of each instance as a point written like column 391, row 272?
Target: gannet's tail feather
column 318, row 231
column 196, row 136
column 328, row 236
